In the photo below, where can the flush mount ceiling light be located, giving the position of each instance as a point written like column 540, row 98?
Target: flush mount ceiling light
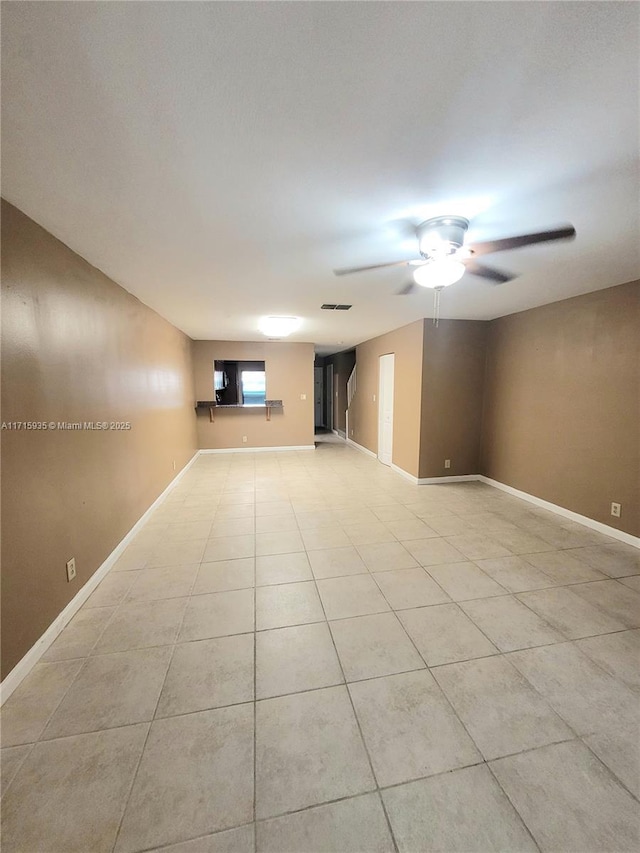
column 439, row 273
column 279, row 327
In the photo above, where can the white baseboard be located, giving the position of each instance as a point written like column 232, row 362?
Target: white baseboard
column 26, row 664
column 432, row 481
column 259, row 449
column 339, row 432
column 613, row 532
column 361, row 448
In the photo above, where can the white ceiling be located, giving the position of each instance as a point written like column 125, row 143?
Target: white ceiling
column 219, row 159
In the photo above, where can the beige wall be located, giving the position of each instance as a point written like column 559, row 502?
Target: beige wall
column 406, row 344
column 562, row 410
column 76, row 347
column 289, row 373
column 452, row 392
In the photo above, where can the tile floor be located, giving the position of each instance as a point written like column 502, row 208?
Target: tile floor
column 304, row 652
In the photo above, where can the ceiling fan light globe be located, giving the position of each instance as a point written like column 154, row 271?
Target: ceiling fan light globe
column 440, row 273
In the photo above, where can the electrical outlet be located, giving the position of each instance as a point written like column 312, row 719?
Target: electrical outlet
column 374, row 398
column 615, row 510
column 244, row 439
column 447, row 463
column 71, row 569
column 303, row 396
column 174, row 464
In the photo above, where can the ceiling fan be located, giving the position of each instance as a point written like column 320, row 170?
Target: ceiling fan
column 444, row 258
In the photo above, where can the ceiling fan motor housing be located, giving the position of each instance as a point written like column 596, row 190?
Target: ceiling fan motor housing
column 441, row 236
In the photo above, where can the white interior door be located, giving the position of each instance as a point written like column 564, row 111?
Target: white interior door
column 318, row 388
column 329, row 423
column 385, row 409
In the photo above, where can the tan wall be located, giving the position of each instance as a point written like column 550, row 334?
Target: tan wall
column 76, row 347
column 406, row 344
column 289, row 373
column 452, row 393
column 562, row 411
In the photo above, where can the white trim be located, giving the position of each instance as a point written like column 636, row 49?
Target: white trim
column 361, row 448
column 566, row 513
column 404, row 473
column 26, row 664
column 259, row 449
column 433, row 481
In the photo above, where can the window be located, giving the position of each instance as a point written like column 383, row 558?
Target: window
column 253, row 387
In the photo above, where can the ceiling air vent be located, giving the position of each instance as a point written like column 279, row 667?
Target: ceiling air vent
column 331, row 307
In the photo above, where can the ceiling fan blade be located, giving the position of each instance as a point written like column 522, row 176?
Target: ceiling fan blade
column 492, row 274
column 349, row 270
column 565, row 233
column 409, row 288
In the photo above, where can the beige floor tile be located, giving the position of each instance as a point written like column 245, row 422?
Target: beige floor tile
column 433, row 552
column 518, row 541
column 568, row 800
column 583, row 694
column 362, row 515
column 336, row 562
column 349, row 826
column 476, row 546
column 414, row 528
column 499, row 709
column 515, row 574
column 276, row 523
column 618, row 653
column 570, row 613
column 70, row 793
column 240, row 840
column 509, row 624
column 177, row 554
column 409, row 728
column 393, row 512
column 11, row 760
column 385, row 556
column 409, row 588
column 218, row 614
column 620, row 603
column 225, row 575
column 232, row 527
column 309, row 751
column 132, row 558
column 372, row 646
column 268, row 508
column 322, row 538
column 288, row 604
column 618, row 749
column 460, row 811
column 92, row 703
column 444, row 634
column 208, row 674
column 229, row 548
column 167, row 582
column 112, row 590
column 562, row 567
column 278, row 543
column 446, row 525
column 82, row 633
column 290, row 660
column 464, row 581
column 195, row 777
column 282, row 568
column 234, row 511
column 314, row 520
column 25, row 714
column 141, row 624
column 369, row 533
column 186, row 531
column 356, row 595
column 631, row 582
